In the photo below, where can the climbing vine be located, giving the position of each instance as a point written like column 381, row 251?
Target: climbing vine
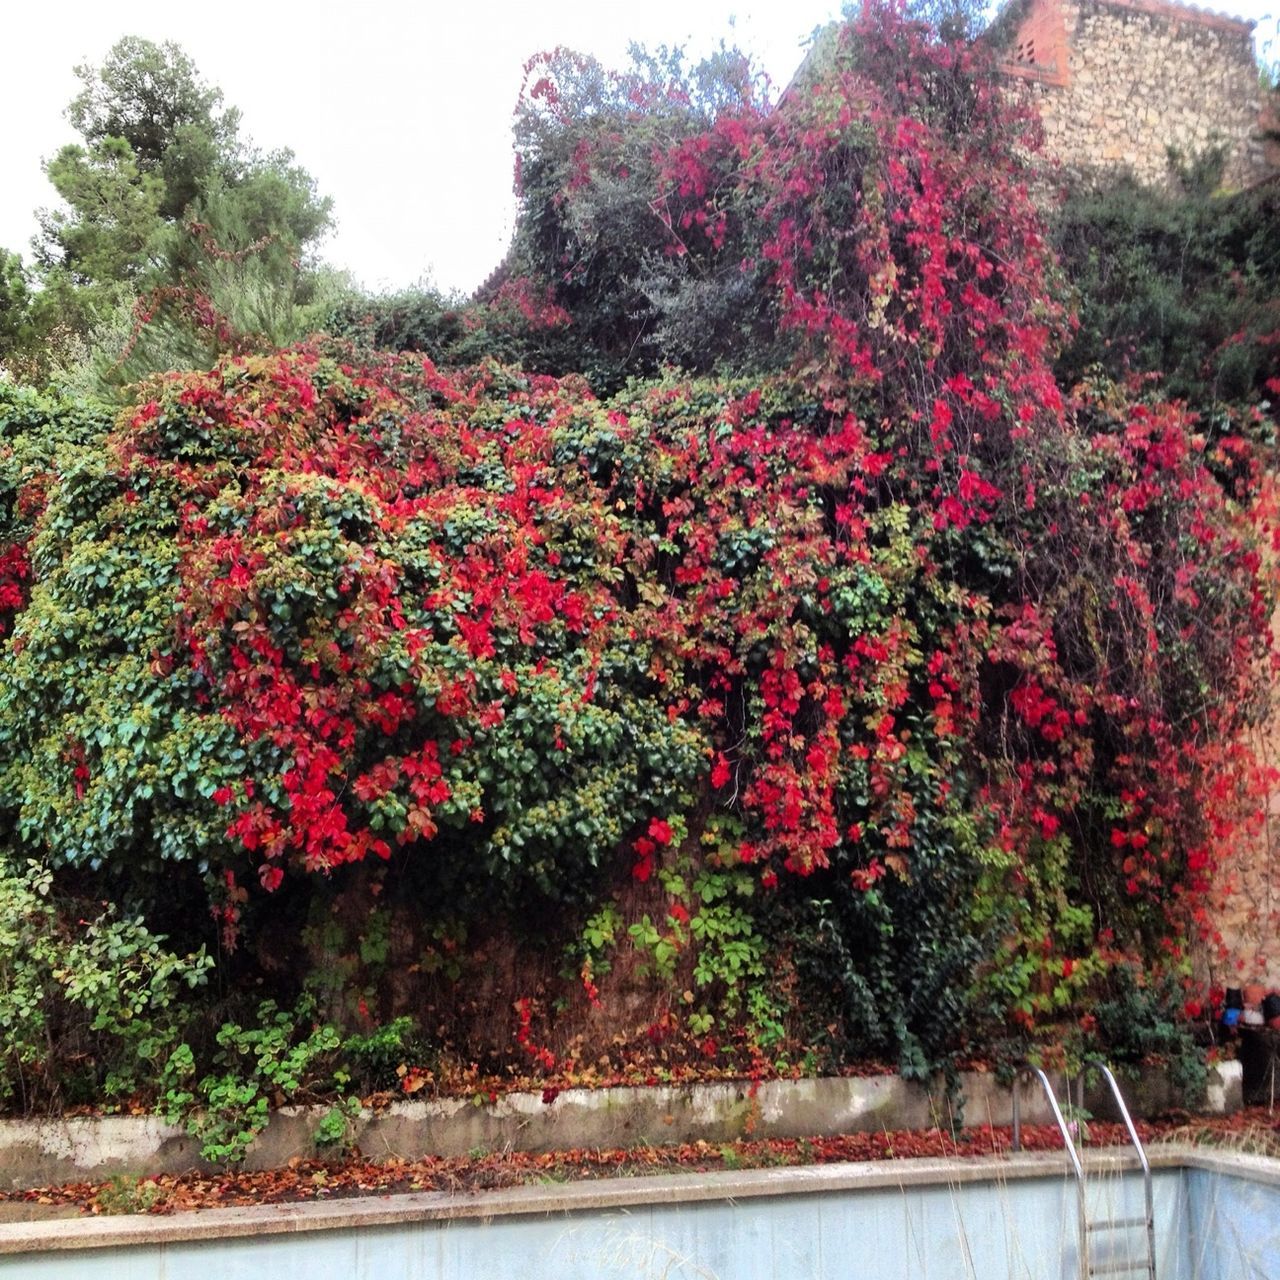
column 952, row 663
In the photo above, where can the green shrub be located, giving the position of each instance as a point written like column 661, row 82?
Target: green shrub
column 1184, row 284
column 372, row 1058
column 89, row 1008
column 281, row 1058
column 1143, row 1020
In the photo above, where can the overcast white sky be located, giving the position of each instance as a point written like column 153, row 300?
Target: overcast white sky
column 401, row 110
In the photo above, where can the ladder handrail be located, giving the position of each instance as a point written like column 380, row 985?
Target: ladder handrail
column 1067, row 1141
column 1082, row 1215
column 1077, row 1163
column 1134, row 1140
column 1124, row 1114
column 1147, row 1190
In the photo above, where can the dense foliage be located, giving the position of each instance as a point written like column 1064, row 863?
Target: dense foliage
column 886, row 698
column 1183, row 285
column 173, row 239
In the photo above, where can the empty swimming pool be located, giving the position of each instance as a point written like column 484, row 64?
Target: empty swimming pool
column 1217, row 1218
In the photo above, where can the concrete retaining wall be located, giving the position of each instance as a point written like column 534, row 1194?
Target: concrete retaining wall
column 36, row 1152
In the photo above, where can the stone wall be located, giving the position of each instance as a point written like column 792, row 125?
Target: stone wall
column 1118, row 82
column 1247, row 912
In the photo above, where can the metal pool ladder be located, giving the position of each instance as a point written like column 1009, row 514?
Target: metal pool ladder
column 1090, row 1229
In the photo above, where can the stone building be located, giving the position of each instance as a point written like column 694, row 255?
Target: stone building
column 1119, row 82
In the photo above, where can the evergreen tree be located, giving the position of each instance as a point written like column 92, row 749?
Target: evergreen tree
column 168, row 215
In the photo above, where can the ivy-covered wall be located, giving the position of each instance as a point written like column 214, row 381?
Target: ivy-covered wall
column 876, row 683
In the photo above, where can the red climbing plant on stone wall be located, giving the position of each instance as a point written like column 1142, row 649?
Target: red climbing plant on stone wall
column 957, row 656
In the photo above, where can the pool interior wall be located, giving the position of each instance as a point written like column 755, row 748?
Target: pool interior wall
column 1217, row 1218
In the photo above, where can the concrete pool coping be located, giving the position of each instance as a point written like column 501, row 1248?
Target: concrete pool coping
column 608, row 1194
